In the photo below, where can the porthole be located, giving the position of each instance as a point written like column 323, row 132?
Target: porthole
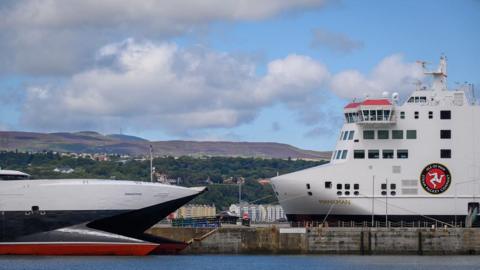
column 310, row 193
column 356, row 193
column 339, row 193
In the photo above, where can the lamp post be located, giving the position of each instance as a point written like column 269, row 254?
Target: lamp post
column 373, row 199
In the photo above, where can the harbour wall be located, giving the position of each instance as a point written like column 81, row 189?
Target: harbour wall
column 366, row 241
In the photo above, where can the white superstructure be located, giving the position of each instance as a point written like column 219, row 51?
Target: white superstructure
column 412, row 161
column 22, row 194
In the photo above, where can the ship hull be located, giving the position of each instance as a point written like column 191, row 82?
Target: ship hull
column 77, row 248
column 44, row 228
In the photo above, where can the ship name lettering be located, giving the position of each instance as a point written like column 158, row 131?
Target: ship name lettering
column 336, row 202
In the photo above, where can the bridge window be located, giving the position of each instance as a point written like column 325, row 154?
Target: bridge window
column 344, row 154
column 351, row 117
column 402, row 154
column 445, row 134
column 373, row 154
column 411, row 134
column 338, row 154
column 445, row 115
column 382, row 134
column 387, row 153
column 386, row 115
column 397, row 134
column 445, row 153
column 379, row 115
column 358, row 154
column 345, row 135
column 350, row 135
column 368, row 135
column 373, row 115
column 365, row 114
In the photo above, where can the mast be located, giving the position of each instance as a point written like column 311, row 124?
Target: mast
column 439, row 82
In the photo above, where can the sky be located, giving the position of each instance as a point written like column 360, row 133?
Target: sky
column 268, row 71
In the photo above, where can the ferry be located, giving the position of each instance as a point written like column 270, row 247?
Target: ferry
column 85, row 216
column 410, row 161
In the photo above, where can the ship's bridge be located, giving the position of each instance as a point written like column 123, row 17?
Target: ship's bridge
column 370, row 111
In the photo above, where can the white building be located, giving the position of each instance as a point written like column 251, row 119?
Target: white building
column 64, row 170
column 259, row 212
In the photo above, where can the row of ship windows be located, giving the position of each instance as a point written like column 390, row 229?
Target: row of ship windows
column 375, row 154
column 417, row 100
column 411, row 134
column 444, row 115
column 345, row 189
column 386, row 154
column 385, row 115
column 385, row 134
column 372, row 154
column 369, row 115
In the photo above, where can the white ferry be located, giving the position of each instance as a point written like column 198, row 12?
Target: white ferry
column 85, row 216
column 411, row 161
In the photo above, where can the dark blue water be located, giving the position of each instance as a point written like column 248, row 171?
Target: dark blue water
column 243, row 262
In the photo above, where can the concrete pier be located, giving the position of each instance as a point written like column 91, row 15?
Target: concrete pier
column 274, row 240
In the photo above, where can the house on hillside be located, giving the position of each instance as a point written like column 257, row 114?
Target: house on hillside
column 65, row 169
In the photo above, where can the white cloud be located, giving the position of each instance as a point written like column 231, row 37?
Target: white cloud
column 160, row 86
column 335, row 41
column 392, row 74
column 187, row 92
column 57, row 37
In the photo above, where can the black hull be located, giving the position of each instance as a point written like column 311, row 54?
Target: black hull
column 85, row 225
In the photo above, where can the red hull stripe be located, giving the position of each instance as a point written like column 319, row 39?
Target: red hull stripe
column 140, row 249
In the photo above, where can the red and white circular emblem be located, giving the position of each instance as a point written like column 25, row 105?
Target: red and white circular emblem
column 435, row 178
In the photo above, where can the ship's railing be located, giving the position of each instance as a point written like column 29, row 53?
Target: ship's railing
column 203, row 222
column 381, row 224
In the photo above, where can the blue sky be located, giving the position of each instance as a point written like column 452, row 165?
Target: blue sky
column 239, row 71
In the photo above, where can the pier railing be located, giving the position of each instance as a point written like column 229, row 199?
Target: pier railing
column 380, row 224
